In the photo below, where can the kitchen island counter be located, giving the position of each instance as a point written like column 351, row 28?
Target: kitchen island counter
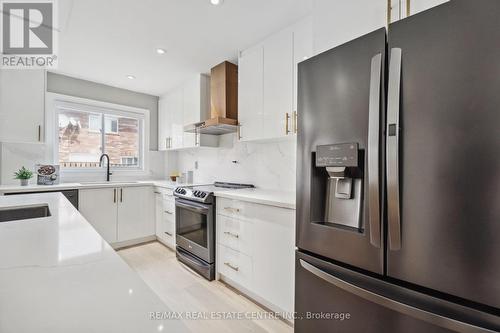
column 57, row 274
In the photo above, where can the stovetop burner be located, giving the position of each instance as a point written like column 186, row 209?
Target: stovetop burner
column 204, row 193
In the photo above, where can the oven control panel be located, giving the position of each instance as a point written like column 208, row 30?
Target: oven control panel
column 192, row 194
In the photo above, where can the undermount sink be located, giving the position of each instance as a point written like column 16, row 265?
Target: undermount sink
column 110, row 182
column 23, row 212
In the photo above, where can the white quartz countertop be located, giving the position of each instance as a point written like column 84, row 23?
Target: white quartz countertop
column 284, row 199
column 58, row 275
column 97, row 184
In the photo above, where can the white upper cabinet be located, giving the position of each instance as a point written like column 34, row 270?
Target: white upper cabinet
column 302, row 50
column 196, row 108
column 170, row 120
column 164, row 122
column 22, row 105
column 250, row 93
column 185, row 105
column 400, row 9
column 267, row 92
column 177, row 118
column 278, row 84
column 416, row 6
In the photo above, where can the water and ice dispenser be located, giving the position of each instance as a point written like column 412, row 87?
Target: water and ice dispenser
column 338, row 176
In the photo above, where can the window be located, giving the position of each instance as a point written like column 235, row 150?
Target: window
column 110, row 124
column 82, row 141
column 129, row 161
column 95, row 122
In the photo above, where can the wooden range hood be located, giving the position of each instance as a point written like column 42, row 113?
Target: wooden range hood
column 223, row 102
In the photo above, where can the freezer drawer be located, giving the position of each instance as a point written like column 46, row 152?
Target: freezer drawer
column 359, row 303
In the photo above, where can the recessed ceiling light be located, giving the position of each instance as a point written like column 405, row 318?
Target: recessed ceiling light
column 216, row 2
column 160, row 51
column 130, row 77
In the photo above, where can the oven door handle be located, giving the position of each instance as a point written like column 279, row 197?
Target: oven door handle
column 192, row 207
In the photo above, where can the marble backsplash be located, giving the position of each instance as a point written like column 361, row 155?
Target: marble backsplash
column 15, row 155
column 269, row 165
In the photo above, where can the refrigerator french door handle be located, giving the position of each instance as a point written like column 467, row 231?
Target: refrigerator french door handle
column 394, row 305
column 373, row 150
column 392, row 150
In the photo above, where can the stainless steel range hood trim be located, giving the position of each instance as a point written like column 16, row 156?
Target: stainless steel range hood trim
column 218, row 129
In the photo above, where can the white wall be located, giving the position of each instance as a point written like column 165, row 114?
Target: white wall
column 338, row 21
column 266, row 165
column 70, row 86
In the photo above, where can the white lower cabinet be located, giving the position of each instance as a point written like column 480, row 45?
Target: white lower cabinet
column 236, row 266
column 165, row 216
column 99, row 208
column 135, row 213
column 119, row 214
column 256, row 249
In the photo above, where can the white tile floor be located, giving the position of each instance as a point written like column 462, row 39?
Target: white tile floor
column 183, row 290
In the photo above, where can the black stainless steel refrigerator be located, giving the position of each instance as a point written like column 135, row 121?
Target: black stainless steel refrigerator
column 398, row 178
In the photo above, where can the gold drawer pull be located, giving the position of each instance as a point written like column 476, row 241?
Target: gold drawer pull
column 231, row 234
column 294, row 121
column 231, row 209
column 287, row 117
column 234, row 268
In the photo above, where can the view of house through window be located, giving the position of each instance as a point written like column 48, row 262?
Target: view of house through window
column 82, row 140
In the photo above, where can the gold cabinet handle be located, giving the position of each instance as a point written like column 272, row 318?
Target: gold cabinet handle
column 287, row 117
column 231, row 234
column 294, row 121
column 234, row 268
column 231, row 209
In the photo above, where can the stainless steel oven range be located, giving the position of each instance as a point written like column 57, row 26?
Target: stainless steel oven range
column 195, row 225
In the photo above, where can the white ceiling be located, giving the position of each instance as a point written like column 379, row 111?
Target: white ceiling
column 106, row 40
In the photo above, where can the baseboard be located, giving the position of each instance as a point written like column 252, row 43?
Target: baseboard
column 132, row 242
column 254, row 298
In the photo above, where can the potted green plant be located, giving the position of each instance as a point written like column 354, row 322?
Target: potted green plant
column 24, row 175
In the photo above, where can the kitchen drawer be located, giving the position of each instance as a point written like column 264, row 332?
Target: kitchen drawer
column 169, row 211
column 168, row 239
column 169, row 226
column 165, row 192
column 232, row 208
column 235, row 266
column 167, row 232
column 169, row 197
column 235, row 234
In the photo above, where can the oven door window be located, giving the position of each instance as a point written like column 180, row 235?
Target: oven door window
column 193, row 226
